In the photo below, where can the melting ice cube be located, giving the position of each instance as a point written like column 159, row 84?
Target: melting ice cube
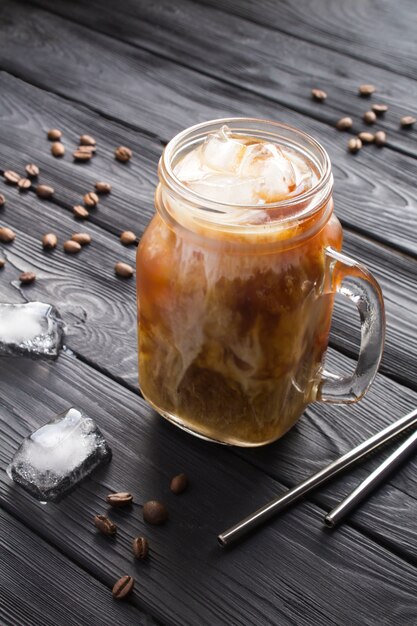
column 221, row 153
column 226, row 189
column 53, row 460
column 34, row 329
column 269, row 163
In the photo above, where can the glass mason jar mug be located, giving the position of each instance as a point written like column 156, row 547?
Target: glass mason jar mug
column 236, row 287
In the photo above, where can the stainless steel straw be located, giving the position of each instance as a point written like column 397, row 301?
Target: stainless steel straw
column 351, row 501
column 238, row 531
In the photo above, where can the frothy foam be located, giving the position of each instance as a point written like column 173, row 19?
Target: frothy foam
column 234, row 169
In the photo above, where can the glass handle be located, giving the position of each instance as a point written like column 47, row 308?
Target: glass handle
column 348, row 277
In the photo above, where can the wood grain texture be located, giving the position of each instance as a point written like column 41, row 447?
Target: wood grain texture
column 252, row 55
column 40, row 587
column 378, row 33
column 374, row 190
column 188, row 579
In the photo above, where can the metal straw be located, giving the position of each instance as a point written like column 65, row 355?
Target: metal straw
column 337, row 514
column 238, row 531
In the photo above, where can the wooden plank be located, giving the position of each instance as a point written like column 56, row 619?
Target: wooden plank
column 259, row 58
column 187, row 580
column 379, row 33
column 374, row 191
column 100, row 309
column 40, row 587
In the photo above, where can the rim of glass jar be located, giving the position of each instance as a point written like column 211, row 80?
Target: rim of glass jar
column 317, row 195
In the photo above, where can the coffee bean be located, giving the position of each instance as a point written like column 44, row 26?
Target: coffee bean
column 119, row 499
column 155, row 512
column 87, row 140
column 49, row 241
column 24, row 184
column 12, row 178
column 344, row 123
column 58, row 149
column 54, row 134
column 87, row 149
column 407, row 121
column 2, row 263
column 32, row 170
column 91, row 199
column 366, row 137
column 2, row 200
column 380, row 138
column 81, row 156
column 123, row 270
column 6, row 235
column 369, row 117
column 71, row 247
column 82, row 238
column 44, row 191
column 366, row 90
column 318, row 95
column 127, row 237
column 105, row 525
column 179, row 483
column 140, row 547
column 101, row 187
column 80, row 212
column 379, row 109
column 123, row 588
column 123, row 154
column 27, row 277
column 354, row 145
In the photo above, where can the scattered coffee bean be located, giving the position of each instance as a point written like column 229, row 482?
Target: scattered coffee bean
column 366, row 137
column 2, row 263
column 122, row 498
column 127, row 237
column 179, row 483
column 407, row 121
column 44, row 191
column 380, row 138
column 105, row 525
column 87, row 140
column 49, row 241
column 379, row 109
column 24, row 184
column 344, row 123
column 123, row 154
column 81, row 156
column 140, row 547
column 32, row 170
column 318, row 95
column 26, row 278
column 91, row 150
column 101, row 187
column 54, row 134
column 123, row 270
column 155, row 512
column 80, row 212
column 58, row 149
column 11, row 177
column 369, row 117
column 6, row 235
column 123, row 588
column 71, row 247
column 91, row 199
column 82, row 238
column 366, row 90
column 2, row 200
column 354, row 145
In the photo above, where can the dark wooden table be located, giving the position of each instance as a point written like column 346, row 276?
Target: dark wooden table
column 135, row 73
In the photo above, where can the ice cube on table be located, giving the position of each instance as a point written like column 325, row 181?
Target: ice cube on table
column 33, row 329
column 54, row 459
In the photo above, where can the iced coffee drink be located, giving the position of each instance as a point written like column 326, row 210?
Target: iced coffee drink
column 233, row 312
